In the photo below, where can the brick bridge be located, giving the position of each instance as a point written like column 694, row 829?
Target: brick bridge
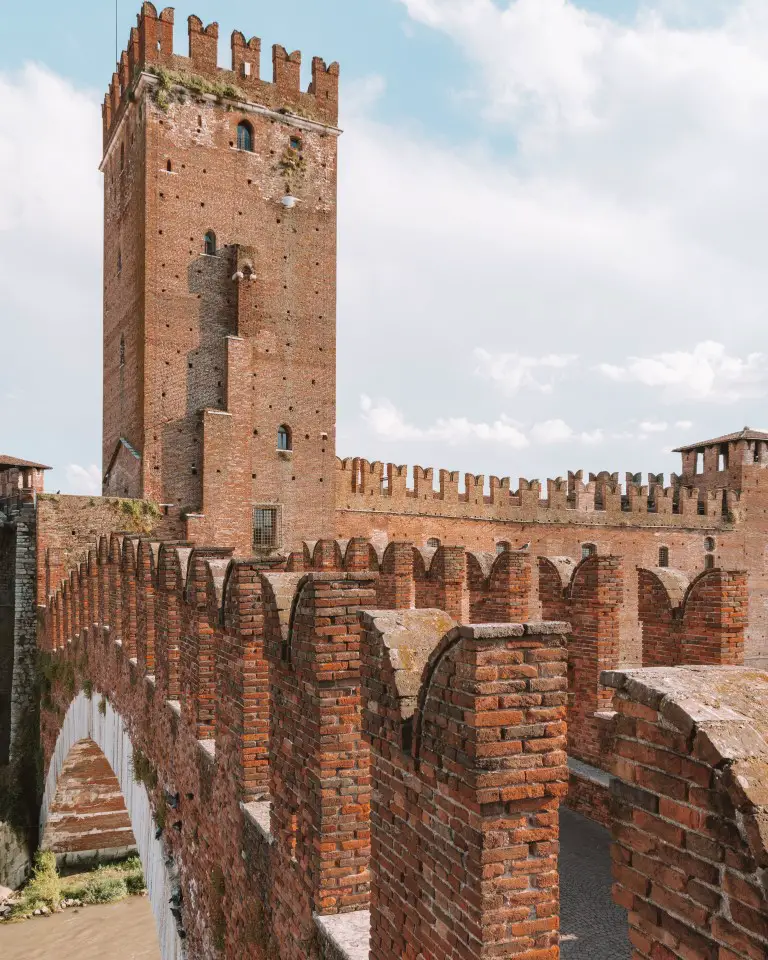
column 321, row 761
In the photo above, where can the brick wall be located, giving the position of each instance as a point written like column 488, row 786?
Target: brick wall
column 467, row 757
column 207, row 354
column 702, row 622
column 689, row 806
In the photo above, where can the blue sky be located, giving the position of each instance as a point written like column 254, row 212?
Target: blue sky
column 551, row 225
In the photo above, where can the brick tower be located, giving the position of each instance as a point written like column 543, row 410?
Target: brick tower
column 220, row 287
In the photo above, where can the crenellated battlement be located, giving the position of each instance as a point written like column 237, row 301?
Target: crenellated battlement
column 379, row 487
column 150, row 54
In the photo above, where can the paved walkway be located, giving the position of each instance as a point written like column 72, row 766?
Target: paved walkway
column 592, row 926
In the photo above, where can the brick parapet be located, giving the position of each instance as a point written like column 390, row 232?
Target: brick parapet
column 686, row 622
column 383, row 488
column 690, row 846
column 467, row 731
column 150, row 51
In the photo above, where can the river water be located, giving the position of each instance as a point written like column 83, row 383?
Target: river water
column 116, row 931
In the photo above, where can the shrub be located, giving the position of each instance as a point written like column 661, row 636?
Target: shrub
column 44, row 889
column 103, row 889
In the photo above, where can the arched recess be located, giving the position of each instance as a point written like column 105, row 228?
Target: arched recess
column 85, row 721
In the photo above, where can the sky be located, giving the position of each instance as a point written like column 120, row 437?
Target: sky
column 552, row 220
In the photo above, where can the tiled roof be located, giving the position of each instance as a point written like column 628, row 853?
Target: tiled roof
column 6, row 462
column 745, row 434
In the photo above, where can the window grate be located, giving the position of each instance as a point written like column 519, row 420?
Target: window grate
column 266, row 528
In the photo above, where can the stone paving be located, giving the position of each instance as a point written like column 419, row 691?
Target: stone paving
column 592, row 926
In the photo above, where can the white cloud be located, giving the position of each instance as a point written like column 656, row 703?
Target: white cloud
column 388, row 423
column 84, row 480
column 50, row 268
column 651, row 426
column 513, row 372
column 558, row 431
column 704, row 373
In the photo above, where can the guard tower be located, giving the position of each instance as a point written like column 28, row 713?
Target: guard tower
column 220, row 286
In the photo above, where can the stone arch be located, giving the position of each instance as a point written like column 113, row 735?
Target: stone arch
column 85, row 721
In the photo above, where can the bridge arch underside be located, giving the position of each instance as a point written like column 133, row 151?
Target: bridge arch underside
column 110, row 813
column 88, row 818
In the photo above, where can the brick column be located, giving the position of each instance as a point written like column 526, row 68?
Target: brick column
column 320, row 780
column 715, row 619
column 596, row 596
column 466, row 786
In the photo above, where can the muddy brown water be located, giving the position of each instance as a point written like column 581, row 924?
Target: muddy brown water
column 116, row 931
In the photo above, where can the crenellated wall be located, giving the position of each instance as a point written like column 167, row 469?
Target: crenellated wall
column 150, row 48
column 250, row 720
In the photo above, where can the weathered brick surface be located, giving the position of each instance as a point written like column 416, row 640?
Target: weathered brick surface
column 207, row 354
column 690, row 807
column 591, row 602
column 702, row 622
column 468, row 763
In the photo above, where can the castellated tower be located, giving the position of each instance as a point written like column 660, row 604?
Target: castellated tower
column 220, row 287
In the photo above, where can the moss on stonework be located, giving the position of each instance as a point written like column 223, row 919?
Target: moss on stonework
column 143, row 771
column 141, row 514
column 164, row 94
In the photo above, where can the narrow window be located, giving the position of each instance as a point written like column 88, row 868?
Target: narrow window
column 709, row 562
column 284, row 438
column 122, row 351
column 433, row 542
column 722, row 459
column 502, row 547
column 709, row 544
column 265, row 527
column 244, row 136
column 169, row 166
column 663, row 556
column 698, row 463
column 588, row 550
column 209, row 244
column 119, row 262
column 122, row 156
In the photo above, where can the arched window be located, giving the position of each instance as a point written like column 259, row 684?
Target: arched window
column 209, row 244
column 169, row 166
column 244, row 136
column 663, row 556
column 502, row 547
column 709, row 562
column 284, row 438
column 122, row 351
column 588, row 550
column 433, row 542
column 709, row 543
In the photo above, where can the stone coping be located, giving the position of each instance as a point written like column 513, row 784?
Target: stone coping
column 587, row 772
column 346, row 936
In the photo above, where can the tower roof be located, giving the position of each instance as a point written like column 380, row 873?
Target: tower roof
column 746, row 434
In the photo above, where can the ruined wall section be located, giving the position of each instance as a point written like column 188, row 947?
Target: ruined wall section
column 690, row 846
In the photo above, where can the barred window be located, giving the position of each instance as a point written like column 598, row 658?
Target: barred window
column 709, row 562
column 588, row 550
column 663, row 556
column 502, row 547
column 266, row 527
column 433, row 542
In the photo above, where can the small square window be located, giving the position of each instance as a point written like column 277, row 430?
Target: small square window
column 295, row 143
